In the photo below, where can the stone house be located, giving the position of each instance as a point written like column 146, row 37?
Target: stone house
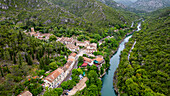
column 25, row 93
column 72, row 47
column 54, row 79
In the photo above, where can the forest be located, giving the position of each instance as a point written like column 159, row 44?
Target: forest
column 146, row 73
column 23, row 59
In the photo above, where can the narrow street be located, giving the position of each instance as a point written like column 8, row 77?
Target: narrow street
column 75, row 67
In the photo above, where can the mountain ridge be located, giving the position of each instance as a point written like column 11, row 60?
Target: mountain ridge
column 150, row 5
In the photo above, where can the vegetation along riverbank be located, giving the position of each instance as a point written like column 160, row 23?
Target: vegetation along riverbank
column 147, row 66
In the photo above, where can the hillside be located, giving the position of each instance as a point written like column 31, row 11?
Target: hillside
column 46, row 15
column 146, row 73
column 150, row 5
column 127, row 12
column 89, row 9
column 39, row 13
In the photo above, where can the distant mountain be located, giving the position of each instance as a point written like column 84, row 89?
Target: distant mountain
column 124, row 2
column 113, row 4
column 150, row 5
column 122, row 9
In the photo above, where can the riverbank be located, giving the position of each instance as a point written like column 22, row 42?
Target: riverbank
column 115, row 81
column 114, row 52
column 115, row 77
column 107, row 79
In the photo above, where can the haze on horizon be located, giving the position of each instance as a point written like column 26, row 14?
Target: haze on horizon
column 123, row 0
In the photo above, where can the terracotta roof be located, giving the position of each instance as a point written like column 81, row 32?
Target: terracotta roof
column 84, row 64
column 87, row 59
column 71, row 59
column 54, row 75
column 25, row 93
column 73, row 54
column 36, row 34
column 67, row 65
column 99, row 59
column 31, row 33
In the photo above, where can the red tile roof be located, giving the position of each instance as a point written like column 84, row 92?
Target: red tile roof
column 99, row 59
column 54, row 75
column 84, row 64
column 25, row 93
column 73, row 54
column 87, row 59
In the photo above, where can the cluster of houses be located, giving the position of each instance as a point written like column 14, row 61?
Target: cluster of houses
column 54, row 79
column 39, row 35
column 98, row 61
column 71, row 43
column 74, row 45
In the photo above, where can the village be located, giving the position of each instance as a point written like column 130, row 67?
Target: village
column 78, row 48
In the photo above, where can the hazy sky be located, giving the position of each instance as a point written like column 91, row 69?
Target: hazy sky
column 123, row 0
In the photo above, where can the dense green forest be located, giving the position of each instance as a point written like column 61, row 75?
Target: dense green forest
column 45, row 15
column 22, row 57
column 146, row 73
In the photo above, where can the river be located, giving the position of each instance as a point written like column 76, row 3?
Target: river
column 107, row 79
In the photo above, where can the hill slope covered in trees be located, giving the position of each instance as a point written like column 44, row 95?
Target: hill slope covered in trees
column 146, row 73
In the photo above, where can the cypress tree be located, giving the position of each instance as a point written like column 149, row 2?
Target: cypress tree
column 48, row 52
column 38, row 56
column 2, row 53
column 29, row 60
column 8, row 69
column 14, row 59
column 32, row 54
column 1, row 72
column 47, row 61
column 20, row 60
column 26, row 57
column 42, row 63
column 10, row 52
column 33, row 48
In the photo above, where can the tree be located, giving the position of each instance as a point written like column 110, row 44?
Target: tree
column 75, row 72
column 75, row 78
column 80, row 61
column 32, row 53
column 20, row 60
column 1, row 72
column 80, row 71
column 53, row 92
column 59, row 91
column 29, row 60
column 53, row 66
column 14, row 58
column 52, row 38
column 46, row 60
column 64, row 85
column 93, row 90
column 93, row 76
column 42, row 65
column 26, row 57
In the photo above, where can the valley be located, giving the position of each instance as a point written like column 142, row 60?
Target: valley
column 84, row 47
